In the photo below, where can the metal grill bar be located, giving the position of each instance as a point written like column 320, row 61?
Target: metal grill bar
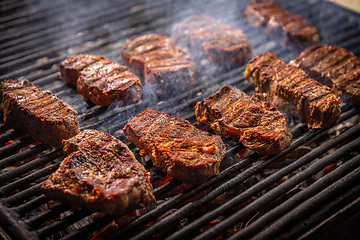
column 317, row 201
column 16, row 146
column 45, row 171
column 22, row 155
column 284, row 187
column 28, row 167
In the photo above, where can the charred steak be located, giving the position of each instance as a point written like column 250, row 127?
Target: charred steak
column 334, row 66
column 275, row 20
column 219, row 42
column 291, row 89
column 165, row 66
column 175, row 146
column 101, row 174
column 100, row 80
column 258, row 124
column 41, row 114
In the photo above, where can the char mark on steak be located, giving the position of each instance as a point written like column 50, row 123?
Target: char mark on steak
column 165, row 66
column 258, row 124
column 292, row 90
column 335, row 67
column 175, row 146
column 220, row 43
column 100, row 80
column 41, row 114
column 101, row 174
column 275, row 20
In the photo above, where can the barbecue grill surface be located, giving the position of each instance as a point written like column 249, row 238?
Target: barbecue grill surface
column 302, row 193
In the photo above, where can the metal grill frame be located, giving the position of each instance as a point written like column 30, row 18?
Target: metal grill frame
column 32, row 49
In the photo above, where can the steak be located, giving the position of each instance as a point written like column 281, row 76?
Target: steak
column 275, row 20
column 334, row 66
column 291, row 89
column 41, row 114
column 220, row 43
column 100, row 80
column 165, row 66
column 100, row 173
column 258, row 124
column 175, row 146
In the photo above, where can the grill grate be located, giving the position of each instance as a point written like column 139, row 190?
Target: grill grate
column 287, row 196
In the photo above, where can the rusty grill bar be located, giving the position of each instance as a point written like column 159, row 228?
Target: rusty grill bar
column 282, row 197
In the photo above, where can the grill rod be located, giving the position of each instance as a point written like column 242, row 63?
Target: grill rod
column 315, row 200
column 289, row 184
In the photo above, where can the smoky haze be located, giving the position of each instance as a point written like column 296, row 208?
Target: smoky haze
column 102, row 27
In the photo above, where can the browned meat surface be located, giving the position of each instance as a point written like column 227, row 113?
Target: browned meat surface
column 175, row 146
column 165, row 66
column 41, row 114
column 100, row 80
column 258, row 124
column 291, row 89
column 274, row 19
column 219, row 42
column 101, row 174
column 335, row 67
column 70, row 67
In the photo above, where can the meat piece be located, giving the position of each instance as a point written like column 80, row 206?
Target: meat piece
column 165, row 66
column 291, row 89
column 100, row 80
column 70, row 67
column 275, row 20
column 335, row 67
column 101, row 174
column 175, row 146
column 258, row 124
column 41, row 114
column 220, row 43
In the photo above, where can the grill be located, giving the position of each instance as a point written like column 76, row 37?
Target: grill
column 309, row 191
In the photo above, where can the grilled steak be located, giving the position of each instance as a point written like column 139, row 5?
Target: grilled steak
column 165, row 66
column 275, row 20
column 219, row 42
column 291, row 89
column 101, row 174
column 100, row 80
column 41, row 114
column 335, row 67
column 258, row 124
column 175, row 146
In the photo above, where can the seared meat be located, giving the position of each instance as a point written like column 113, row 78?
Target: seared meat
column 165, row 66
column 41, row 114
column 335, row 67
column 101, row 174
column 219, row 42
column 258, row 124
column 100, row 80
column 275, row 20
column 290, row 87
column 175, row 146
column 70, row 67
